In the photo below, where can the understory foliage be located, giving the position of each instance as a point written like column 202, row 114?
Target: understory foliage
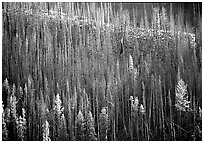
column 98, row 72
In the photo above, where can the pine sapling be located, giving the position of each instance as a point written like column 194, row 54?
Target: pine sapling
column 46, row 131
column 4, row 126
column 134, row 104
column 58, row 109
column 90, row 131
column 63, row 136
column 133, row 71
column 20, row 92
column 80, row 127
column 21, row 126
column 6, row 85
column 182, row 103
column 200, row 112
column 57, row 106
column 13, row 104
column 134, row 114
column 142, row 109
column 131, row 66
column 103, row 124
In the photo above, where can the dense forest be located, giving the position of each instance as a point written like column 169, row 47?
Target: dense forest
column 101, row 71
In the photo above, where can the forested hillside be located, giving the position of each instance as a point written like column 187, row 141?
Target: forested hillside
column 92, row 72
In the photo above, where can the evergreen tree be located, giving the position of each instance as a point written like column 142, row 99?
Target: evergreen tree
column 63, row 136
column 46, row 132
column 90, row 128
column 21, row 126
column 80, row 127
column 103, row 124
column 4, row 126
